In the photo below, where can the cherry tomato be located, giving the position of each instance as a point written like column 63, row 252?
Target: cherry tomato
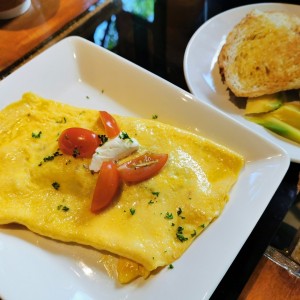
column 142, row 167
column 78, row 142
column 106, row 187
column 110, row 125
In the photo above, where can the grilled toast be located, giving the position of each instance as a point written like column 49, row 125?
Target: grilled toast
column 261, row 54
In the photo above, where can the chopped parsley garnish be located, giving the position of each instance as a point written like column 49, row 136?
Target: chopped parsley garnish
column 124, row 136
column 50, row 157
column 36, row 135
column 169, row 216
column 132, row 211
column 155, row 194
column 62, row 207
column 179, row 234
column 103, row 138
column 179, row 211
column 56, row 185
column 154, row 117
column 180, row 229
column 62, row 120
column 87, row 97
column 194, row 233
column 170, row 267
column 202, row 225
column 75, row 152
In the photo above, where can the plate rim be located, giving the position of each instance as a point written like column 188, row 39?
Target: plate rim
column 289, row 146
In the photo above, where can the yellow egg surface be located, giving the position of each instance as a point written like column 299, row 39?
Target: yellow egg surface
column 151, row 223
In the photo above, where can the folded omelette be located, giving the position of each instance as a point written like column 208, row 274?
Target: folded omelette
column 149, row 224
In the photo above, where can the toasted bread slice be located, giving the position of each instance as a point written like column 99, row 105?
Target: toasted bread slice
column 261, row 54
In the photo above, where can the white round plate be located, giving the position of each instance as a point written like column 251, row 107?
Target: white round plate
column 202, row 74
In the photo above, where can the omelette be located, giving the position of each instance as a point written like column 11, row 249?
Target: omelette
column 149, row 224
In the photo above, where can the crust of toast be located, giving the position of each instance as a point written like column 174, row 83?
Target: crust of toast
column 261, row 54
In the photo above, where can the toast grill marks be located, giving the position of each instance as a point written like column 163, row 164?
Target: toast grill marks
column 262, row 54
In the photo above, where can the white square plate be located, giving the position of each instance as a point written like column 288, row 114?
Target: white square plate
column 78, row 72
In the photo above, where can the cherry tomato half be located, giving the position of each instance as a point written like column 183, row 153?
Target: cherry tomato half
column 110, row 125
column 106, row 187
column 142, row 167
column 78, row 142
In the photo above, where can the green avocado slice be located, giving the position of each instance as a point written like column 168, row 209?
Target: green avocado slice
column 288, row 113
column 264, row 103
column 277, row 126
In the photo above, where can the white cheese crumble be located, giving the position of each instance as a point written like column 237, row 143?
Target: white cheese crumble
column 114, row 149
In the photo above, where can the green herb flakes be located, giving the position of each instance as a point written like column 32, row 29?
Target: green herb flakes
column 156, row 194
column 132, row 211
column 124, row 136
column 50, row 157
column 36, row 135
column 194, row 233
column 179, row 211
column 179, row 234
column 169, row 216
column 76, row 152
column 154, row 116
column 170, row 267
column 63, row 120
column 56, row 185
column 63, row 208
column 103, row 138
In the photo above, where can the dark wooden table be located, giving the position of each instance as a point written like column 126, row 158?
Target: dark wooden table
column 45, row 23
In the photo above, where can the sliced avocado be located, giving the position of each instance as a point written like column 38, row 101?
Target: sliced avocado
column 264, row 103
column 276, row 126
column 295, row 104
column 289, row 113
